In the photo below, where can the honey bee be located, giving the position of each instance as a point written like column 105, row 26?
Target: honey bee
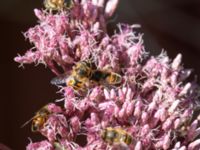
column 54, row 4
column 71, row 81
column 39, row 119
column 87, row 70
column 116, row 136
column 78, row 78
column 84, row 73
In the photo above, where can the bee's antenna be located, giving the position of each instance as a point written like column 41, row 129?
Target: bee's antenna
column 27, row 122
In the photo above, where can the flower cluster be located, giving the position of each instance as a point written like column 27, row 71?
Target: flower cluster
column 154, row 104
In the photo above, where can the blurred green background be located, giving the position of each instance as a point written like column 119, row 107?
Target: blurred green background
column 173, row 25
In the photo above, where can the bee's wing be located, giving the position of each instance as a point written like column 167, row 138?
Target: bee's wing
column 60, row 80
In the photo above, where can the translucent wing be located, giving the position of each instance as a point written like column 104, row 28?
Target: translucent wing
column 60, row 80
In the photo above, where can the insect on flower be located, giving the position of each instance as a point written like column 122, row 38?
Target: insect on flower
column 71, row 81
column 56, row 4
column 84, row 74
column 81, row 73
column 116, row 136
column 39, row 119
column 75, row 83
column 84, row 69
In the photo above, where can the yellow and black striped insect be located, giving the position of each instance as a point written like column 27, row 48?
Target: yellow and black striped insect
column 85, row 73
column 71, row 81
column 39, row 119
column 86, row 69
column 57, row 4
column 79, row 77
column 112, row 136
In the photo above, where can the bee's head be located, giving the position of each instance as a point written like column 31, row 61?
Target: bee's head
column 38, row 122
column 34, row 127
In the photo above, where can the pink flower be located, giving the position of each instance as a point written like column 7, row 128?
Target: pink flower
column 153, row 104
column 43, row 145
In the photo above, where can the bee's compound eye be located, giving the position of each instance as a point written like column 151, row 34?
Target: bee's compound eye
column 34, row 128
column 129, row 140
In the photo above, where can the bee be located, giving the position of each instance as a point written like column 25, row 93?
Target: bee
column 55, row 4
column 79, row 78
column 81, row 71
column 71, row 81
column 39, row 119
column 85, row 73
column 87, row 69
column 116, row 136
